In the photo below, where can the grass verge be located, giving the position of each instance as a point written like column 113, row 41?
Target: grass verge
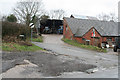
column 39, row 39
column 0, row 47
column 18, row 47
column 74, row 43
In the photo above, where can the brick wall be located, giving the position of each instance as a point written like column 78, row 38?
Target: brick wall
column 93, row 41
column 67, row 33
column 105, row 38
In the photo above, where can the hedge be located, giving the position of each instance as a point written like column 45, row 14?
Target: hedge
column 13, row 30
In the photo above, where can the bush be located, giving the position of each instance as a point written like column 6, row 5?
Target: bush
column 10, row 39
column 11, row 31
column 12, row 18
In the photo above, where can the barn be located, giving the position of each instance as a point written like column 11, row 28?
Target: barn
column 52, row 26
column 90, row 32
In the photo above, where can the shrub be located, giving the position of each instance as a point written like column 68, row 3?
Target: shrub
column 11, row 31
column 12, row 18
column 10, row 39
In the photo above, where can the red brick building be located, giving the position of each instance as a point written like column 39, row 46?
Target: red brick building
column 90, row 32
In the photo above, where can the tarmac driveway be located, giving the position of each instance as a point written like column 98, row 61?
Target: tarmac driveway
column 105, row 62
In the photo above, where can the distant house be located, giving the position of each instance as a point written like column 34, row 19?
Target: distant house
column 90, row 32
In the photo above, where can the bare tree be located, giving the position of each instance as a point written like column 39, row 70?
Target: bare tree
column 113, row 17
column 25, row 10
column 103, row 17
column 107, row 17
column 57, row 14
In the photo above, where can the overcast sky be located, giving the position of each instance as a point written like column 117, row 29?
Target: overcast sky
column 78, row 7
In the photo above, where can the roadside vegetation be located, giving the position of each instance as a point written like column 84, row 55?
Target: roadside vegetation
column 19, row 47
column 75, row 43
column 37, row 38
column 15, row 37
column 0, row 47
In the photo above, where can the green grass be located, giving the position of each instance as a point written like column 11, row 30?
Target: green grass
column 0, row 46
column 39, row 39
column 74, row 43
column 17, row 47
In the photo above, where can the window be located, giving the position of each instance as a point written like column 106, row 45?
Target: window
column 83, row 39
column 66, row 28
column 93, row 32
column 109, row 39
column 87, row 42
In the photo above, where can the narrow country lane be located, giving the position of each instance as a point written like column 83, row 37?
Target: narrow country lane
column 106, row 62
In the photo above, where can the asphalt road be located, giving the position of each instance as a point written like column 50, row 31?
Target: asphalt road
column 40, row 64
column 105, row 62
column 60, row 61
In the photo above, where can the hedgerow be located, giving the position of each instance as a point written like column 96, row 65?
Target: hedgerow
column 11, row 31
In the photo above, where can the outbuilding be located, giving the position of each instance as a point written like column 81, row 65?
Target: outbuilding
column 90, row 32
column 52, row 26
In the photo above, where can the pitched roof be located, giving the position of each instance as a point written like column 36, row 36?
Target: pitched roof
column 80, row 26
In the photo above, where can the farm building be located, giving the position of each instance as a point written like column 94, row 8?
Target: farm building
column 52, row 26
column 90, row 32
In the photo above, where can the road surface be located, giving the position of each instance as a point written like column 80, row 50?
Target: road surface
column 107, row 63
column 61, row 61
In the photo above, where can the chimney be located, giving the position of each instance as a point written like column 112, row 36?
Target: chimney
column 71, row 16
